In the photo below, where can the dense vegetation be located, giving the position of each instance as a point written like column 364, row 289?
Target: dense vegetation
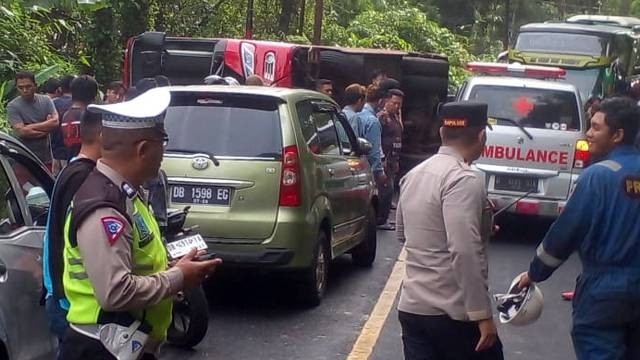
column 62, row 36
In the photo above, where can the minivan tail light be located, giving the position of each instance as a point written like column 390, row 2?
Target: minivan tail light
column 582, row 156
column 291, row 181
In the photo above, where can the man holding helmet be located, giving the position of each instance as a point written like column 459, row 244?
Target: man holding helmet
column 600, row 221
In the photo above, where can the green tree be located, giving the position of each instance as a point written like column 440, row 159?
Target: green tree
column 405, row 29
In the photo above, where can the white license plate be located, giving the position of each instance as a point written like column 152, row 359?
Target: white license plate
column 200, row 194
column 182, row 247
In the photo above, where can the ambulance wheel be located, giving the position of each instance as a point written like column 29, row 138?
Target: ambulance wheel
column 314, row 279
column 190, row 318
column 364, row 254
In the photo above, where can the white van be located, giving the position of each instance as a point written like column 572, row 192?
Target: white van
column 536, row 148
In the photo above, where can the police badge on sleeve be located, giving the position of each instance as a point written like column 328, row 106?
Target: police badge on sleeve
column 113, row 227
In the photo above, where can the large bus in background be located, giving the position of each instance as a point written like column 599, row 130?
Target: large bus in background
column 600, row 59
column 424, row 77
column 622, row 21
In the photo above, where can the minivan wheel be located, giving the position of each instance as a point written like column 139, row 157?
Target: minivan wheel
column 364, row 254
column 314, row 279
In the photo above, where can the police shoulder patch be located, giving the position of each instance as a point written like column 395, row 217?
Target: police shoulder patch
column 113, row 227
column 632, row 186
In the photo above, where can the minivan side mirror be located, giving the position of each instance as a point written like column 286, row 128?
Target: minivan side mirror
column 364, row 146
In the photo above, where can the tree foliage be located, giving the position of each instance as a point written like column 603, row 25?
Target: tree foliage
column 91, row 38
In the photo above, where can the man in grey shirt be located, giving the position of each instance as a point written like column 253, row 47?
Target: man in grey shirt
column 444, row 219
column 32, row 117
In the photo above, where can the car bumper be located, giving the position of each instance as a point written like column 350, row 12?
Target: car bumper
column 250, row 256
column 550, row 208
column 289, row 247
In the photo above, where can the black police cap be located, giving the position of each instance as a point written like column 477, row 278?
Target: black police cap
column 462, row 114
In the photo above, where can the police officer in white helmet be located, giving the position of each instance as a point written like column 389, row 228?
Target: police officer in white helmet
column 116, row 276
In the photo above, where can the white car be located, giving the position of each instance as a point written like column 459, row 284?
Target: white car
column 536, row 148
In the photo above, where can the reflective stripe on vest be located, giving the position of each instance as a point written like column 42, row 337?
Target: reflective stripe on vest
column 150, row 258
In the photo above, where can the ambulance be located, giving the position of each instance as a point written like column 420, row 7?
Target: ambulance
column 536, row 146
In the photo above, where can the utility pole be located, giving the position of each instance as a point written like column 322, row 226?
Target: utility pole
column 317, row 24
column 507, row 23
column 301, row 22
column 248, row 30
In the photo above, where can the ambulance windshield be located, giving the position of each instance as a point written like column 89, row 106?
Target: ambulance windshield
column 530, row 108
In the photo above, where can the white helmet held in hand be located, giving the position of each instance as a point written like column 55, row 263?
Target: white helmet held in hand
column 520, row 307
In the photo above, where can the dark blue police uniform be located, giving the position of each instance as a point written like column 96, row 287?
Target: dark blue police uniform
column 602, row 222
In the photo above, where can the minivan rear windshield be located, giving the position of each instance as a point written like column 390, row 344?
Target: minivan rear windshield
column 240, row 126
column 531, row 108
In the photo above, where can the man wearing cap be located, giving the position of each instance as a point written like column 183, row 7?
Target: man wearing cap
column 116, row 277
column 445, row 221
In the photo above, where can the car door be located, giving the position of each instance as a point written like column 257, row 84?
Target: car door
column 24, row 202
column 336, row 173
column 358, row 190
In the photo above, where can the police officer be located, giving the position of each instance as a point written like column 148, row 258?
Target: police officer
column 116, row 277
column 445, row 221
column 600, row 221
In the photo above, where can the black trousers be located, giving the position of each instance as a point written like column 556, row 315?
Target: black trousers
column 79, row 347
column 385, row 195
column 442, row 338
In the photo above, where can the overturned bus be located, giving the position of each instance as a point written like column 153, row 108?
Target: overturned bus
column 423, row 77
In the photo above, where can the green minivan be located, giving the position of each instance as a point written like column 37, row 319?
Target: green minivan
column 275, row 177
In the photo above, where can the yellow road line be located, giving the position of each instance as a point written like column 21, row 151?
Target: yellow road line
column 370, row 333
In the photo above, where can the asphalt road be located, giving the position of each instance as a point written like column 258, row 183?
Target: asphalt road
column 253, row 316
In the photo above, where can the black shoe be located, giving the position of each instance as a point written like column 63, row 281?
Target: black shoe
column 387, row 227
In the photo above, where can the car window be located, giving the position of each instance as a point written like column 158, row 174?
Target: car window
column 343, row 137
column 307, row 125
column 33, row 191
column 10, row 214
column 534, row 108
column 225, row 125
column 327, row 136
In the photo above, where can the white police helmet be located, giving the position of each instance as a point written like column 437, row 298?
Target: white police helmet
column 520, row 307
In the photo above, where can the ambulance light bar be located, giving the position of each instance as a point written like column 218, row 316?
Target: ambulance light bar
column 516, row 69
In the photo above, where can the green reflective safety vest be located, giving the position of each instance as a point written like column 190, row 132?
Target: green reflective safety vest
column 149, row 256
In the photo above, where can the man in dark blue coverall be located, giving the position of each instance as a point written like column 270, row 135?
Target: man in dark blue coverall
column 602, row 222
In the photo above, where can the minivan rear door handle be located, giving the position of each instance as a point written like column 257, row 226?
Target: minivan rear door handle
column 331, row 172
